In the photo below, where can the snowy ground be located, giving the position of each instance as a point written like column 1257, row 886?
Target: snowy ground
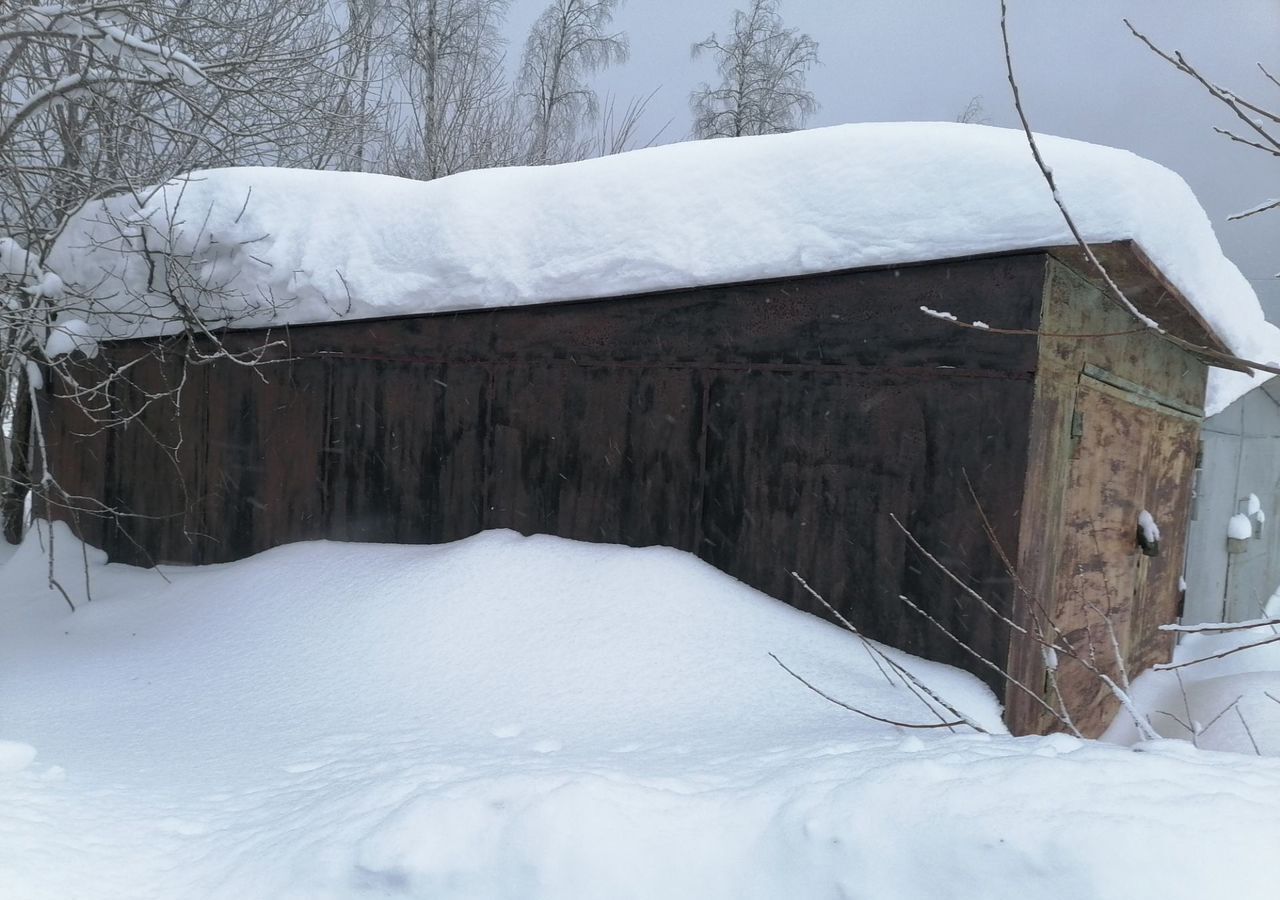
column 1229, row 700
column 512, row 717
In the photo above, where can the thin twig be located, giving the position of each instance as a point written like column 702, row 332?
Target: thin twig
column 1248, row 731
column 1219, row 627
column 914, row 684
column 1214, row 721
column 1169, row 667
column 1053, row 187
column 861, row 712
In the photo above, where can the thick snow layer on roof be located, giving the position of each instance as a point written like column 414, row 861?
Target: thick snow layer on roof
column 535, row 719
column 296, row 246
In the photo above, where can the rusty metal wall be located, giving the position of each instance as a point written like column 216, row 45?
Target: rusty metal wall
column 768, row 428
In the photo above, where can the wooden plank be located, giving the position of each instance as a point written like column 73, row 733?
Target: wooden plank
column 1157, row 387
column 262, row 476
column 1041, row 528
column 868, row 318
column 1141, row 395
column 1083, row 328
column 1101, row 569
column 1169, row 468
column 1150, row 292
column 596, row 453
column 404, row 455
column 815, row 498
column 1104, row 593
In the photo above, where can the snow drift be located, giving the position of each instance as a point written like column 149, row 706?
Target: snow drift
column 255, row 247
column 531, row 718
column 1228, row 700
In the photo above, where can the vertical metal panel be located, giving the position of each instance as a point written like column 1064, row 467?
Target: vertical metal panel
column 404, row 454
column 1216, row 502
column 153, row 462
column 597, row 454
column 815, row 497
column 261, row 478
column 1241, row 457
column 1251, row 575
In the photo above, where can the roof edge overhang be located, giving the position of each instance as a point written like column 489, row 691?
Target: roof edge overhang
column 1146, row 287
column 1124, row 261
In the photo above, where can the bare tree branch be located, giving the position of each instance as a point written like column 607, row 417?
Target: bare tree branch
column 854, row 709
column 762, row 66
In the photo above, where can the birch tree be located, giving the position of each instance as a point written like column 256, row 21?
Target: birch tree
column 457, row 109
column 762, row 66
column 358, row 81
column 569, row 42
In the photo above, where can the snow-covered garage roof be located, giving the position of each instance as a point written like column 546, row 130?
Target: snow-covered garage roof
column 293, row 246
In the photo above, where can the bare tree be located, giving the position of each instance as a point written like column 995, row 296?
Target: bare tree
column 974, row 112
column 620, row 132
column 356, row 85
column 568, row 42
column 98, row 98
column 456, row 108
column 762, row 66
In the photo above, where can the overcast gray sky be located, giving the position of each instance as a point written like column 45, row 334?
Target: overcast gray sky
column 1082, row 75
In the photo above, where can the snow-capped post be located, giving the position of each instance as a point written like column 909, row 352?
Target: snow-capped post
column 1255, row 513
column 1239, row 533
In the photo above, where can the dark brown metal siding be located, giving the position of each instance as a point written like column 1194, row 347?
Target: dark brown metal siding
column 815, row 496
column 766, row 427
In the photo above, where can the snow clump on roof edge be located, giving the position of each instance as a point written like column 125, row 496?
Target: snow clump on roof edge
column 296, row 246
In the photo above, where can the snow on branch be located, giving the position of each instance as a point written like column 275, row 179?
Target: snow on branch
column 1220, row 627
column 80, row 22
column 951, row 317
column 1254, row 210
